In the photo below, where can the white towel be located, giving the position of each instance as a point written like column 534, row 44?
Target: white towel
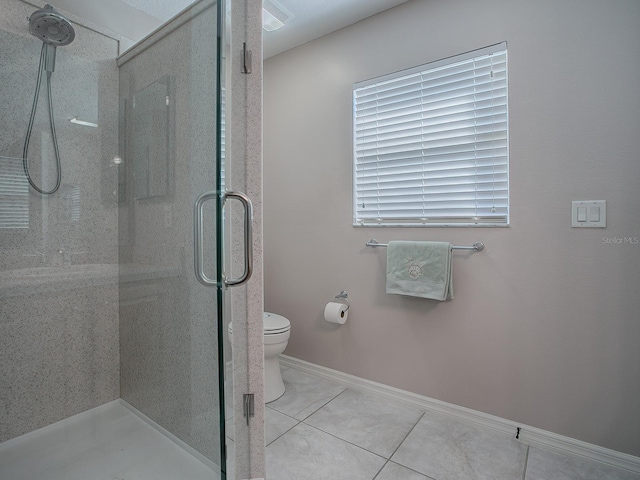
column 420, row 269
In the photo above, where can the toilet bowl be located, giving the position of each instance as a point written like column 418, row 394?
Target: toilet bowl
column 277, row 330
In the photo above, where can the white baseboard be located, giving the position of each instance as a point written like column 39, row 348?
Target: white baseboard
column 528, row 435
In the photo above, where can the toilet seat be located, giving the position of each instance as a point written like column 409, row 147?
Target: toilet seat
column 273, row 324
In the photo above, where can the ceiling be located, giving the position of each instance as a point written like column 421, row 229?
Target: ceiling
column 308, row 19
column 163, row 10
column 311, row 19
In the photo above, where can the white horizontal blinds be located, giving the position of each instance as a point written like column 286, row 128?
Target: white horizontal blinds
column 14, row 194
column 431, row 143
column 73, row 202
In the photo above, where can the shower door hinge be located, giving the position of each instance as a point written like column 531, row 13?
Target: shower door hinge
column 248, row 408
column 246, row 59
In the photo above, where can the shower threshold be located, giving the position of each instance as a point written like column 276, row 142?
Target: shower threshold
column 107, row 442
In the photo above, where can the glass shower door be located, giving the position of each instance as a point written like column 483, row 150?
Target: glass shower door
column 171, row 191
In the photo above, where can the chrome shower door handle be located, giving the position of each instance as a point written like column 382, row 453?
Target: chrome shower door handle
column 198, row 238
column 248, row 239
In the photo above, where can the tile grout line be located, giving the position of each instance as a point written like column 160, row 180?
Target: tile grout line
column 361, row 447
column 298, row 422
column 343, row 440
column 422, row 414
column 283, row 433
column 266, row 405
column 385, row 457
column 324, row 404
column 387, row 460
column 344, row 388
column 423, row 411
column 301, row 421
column 400, row 444
column 407, row 435
column 380, row 471
column 545, row 440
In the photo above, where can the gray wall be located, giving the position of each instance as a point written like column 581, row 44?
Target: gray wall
column 59, row 330
column 544, row 328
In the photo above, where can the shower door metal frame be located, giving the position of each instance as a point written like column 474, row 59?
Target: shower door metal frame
column 246, row 151
column 244, row 102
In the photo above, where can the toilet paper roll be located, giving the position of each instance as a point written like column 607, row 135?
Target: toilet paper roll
column 336, row 312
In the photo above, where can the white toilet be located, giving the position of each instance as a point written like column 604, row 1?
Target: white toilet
column 277, row 330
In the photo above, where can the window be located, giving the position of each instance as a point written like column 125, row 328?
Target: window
column 431, row 144
column 14, row 194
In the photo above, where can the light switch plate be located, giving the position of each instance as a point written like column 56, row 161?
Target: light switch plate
column 594, row 209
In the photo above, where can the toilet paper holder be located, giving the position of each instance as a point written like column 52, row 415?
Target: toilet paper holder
column 344, row 298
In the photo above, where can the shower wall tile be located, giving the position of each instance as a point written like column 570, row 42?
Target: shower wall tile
column 58, row 356
column 59, row 336
column 155, row 351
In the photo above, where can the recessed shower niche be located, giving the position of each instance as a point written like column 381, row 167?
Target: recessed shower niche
column 149, row 119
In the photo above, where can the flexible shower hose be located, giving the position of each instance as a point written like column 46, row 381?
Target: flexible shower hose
column 25, row 150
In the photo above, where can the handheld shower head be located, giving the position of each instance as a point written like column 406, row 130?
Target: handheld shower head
column 51, row 27
column 55, row 31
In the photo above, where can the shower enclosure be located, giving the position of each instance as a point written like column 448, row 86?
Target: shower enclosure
column 112, row 347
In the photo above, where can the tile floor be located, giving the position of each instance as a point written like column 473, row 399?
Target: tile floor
column 322, row 430
column 318, row 430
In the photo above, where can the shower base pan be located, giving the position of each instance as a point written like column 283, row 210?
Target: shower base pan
column 107, row 442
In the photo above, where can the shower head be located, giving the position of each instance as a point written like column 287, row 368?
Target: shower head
column 51, row 27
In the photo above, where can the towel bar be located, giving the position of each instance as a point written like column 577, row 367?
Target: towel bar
column 477, row 246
